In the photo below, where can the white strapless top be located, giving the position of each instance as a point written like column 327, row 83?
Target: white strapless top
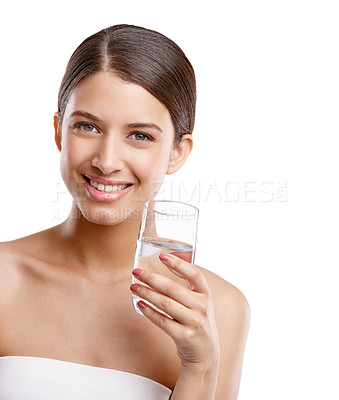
column 37, row 378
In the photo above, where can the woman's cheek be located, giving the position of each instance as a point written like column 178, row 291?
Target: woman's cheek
column 150, row 172
column 73, row 154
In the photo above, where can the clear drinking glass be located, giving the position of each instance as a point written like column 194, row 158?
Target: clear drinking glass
column 166, row 227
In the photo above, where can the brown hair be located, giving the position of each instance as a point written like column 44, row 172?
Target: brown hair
column 140, row 56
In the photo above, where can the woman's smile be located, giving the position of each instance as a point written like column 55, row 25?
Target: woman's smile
column 105, row 190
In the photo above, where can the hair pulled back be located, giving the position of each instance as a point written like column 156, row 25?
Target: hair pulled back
column 139, row 56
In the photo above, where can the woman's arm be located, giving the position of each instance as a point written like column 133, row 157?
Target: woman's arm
column 207, row 346
column 198, row 384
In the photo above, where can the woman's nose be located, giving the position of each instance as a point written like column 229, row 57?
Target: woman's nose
column 108, row 156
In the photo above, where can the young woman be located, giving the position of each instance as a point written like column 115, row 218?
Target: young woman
column 68, row 329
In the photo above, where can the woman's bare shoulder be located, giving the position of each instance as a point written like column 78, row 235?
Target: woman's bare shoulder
column 26, row 243
column 16, row 254
column 10, row 270
column 232, row 311
column 225, row 294
column 10, row 254
column 232, row 315
column 30, row 245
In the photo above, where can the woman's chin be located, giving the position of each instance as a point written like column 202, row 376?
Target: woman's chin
column 110, row 217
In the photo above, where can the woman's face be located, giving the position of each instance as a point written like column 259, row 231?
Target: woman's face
column 116, row 143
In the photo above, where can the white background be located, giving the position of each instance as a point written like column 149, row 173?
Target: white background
column 264, row 171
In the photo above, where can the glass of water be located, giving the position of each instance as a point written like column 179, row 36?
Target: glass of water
column 166, row 227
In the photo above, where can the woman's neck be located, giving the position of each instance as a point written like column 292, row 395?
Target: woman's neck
column 100, row 252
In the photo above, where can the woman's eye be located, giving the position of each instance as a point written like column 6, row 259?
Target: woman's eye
column 87, row 128
column 141, row 136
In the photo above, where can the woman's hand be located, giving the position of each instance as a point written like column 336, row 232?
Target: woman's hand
column 192, row 324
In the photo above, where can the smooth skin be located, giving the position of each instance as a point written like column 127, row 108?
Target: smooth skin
column 65, row 292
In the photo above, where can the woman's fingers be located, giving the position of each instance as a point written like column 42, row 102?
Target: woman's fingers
column 166, row 286
column 164, row 303
column 165, row 323
column 187, row 271
column 194, row 298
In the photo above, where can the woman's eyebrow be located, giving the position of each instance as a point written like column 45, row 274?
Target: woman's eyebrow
column 137, row 125
column 145, row 125
column 85, row 115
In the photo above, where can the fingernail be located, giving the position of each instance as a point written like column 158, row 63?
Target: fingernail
column 164, row 257
column 142, row 305
column 135, row 288
column 137, row 272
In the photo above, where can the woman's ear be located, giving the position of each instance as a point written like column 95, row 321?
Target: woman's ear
column 180, row 153
column 57, row 132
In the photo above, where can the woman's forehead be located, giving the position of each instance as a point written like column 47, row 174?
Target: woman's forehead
column 106, row 95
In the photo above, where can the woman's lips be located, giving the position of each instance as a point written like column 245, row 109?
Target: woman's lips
column 108, row 192
column 105, row 181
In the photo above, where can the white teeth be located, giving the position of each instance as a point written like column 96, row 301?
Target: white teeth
column 107, row 188
column 93, row 183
